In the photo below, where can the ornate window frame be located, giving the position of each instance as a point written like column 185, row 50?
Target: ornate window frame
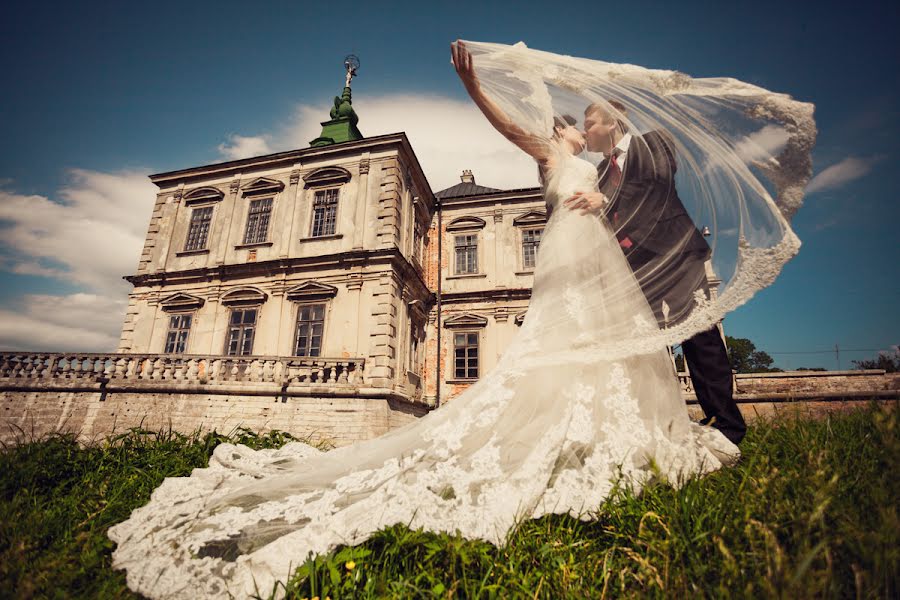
column 533, row 219
column 320, row 180
column 243, row 298
column 259, row 189
column 198, row 199
column 311, row 293
column 469, row 226
column 466, row 323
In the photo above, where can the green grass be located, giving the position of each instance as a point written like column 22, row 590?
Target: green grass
column 811, row 511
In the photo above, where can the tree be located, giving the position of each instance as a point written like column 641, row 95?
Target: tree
column 745, row 358
column 889, row 361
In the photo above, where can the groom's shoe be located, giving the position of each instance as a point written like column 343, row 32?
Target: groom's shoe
column 735, row 437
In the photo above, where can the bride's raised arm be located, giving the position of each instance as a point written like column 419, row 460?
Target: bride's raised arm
column 537, row 147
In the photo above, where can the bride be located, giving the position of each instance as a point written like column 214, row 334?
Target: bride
column 584, row 396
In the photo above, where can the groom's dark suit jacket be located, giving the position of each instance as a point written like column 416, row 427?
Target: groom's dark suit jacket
column 667, row 251
column 646, row 203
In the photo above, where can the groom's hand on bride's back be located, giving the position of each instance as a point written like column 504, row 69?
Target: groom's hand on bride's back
column 594, row 203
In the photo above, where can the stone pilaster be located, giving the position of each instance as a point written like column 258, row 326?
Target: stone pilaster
column 381, row 364
column 168, row 219
column 294, row 209
column 225, row 227
column 388, row 227
column 126, row 339
column 152, row 235
column 362, row 201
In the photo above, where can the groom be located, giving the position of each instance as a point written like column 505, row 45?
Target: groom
column 663, row 246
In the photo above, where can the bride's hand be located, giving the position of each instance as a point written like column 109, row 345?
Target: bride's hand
column 462, row 61
column 589, row 202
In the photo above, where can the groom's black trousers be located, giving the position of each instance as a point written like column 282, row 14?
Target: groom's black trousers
column 674, row 279
column 707, row 360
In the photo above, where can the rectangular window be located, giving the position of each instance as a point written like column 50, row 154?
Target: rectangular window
column 466, row 253
column 531, row 239
column 413, row 350
column 258, row 221
column 465, row 355
column 198, row 230
column 176, row 337
column 417, row 243
column 241, row 329
column 325, row 212
column 310, row 325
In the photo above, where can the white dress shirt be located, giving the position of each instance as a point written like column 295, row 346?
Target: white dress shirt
column 621, row 150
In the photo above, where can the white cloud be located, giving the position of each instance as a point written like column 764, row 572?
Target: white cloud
column 447, row 136
column 91, row 236
column 239, row 146
column 76, row 322
column 838, row 174
column 762, row 144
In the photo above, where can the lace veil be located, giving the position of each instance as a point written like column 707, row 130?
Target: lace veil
column 715, row 170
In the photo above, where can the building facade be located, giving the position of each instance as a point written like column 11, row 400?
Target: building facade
column 335, row 252
column 311, row 253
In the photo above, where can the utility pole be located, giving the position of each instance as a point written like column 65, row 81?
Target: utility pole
column 837, row 356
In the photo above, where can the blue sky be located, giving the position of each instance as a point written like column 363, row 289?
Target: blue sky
column 97, row 95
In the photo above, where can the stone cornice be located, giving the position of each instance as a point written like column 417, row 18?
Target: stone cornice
column 311, row 290
column 285, row 266
column 532, row 217
column 520, row 195
column 289, row 158
column 486, row 295
column 181, row 301
column 465, row 321
column 465, row 223
column 203, row 195
column 262, row 185
column 326, row 176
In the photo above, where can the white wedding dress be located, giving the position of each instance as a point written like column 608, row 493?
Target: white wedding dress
column 549, row 430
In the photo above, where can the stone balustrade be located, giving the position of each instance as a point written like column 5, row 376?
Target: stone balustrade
column 685, row 383
column 41, row 368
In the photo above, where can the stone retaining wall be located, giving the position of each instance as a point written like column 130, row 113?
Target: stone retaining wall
column 328, row 399
column 337, row 420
